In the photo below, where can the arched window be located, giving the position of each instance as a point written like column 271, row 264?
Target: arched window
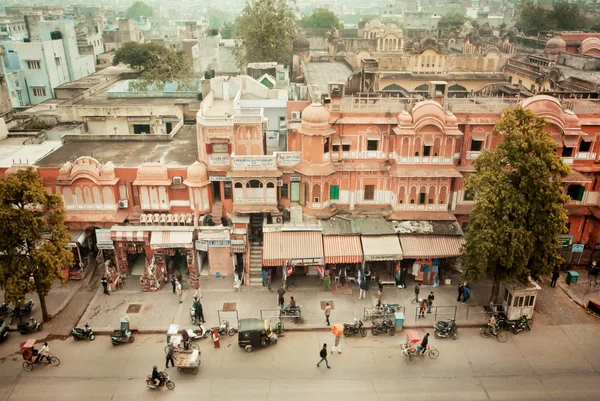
column 422, row 195
column 254, row 184
column 325, row 192
column 413, row 195
column 442, row 196
column 431, row 196
column 97, row 198
column 238, row 191
column 316, row 193
column 417, row 146
column 271, row 194
column 67, row 197
column 437, row 145
column 254, row 189
column 401, row 194
column 87, row 196
column 109, row 197
column 306, row 194
column 576, row 192
column 449, row 148
column 404, row 151
column 79, row 198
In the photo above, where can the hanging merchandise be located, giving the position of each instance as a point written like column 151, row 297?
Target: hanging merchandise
column 416, row 269
column 153, row 277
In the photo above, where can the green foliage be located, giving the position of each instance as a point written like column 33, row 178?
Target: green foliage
column 452, row 21
column 139, row 9
column 217, row 17
column 266, row 30
column 533, row 18
column 513, row 229
column 321, row 18
column 33, row 238
column 365, row 20
column 159, row 65
column 227, row 30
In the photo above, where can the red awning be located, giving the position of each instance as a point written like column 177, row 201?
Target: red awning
column 342, row 249
column 130, row 236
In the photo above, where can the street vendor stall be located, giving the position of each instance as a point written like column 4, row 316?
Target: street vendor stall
column 188, row 362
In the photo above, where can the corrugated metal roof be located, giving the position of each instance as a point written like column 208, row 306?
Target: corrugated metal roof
column 346, row 225
column 342, row 249
column 381, row 247
column 280, row 247
column 428, row 227
column 431, row 246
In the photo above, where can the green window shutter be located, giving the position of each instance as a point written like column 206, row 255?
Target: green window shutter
column 580, row 193
column 334, row 192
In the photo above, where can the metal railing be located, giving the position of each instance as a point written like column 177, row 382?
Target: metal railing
column 447, row 312
column 381, row 312
column 480, row 310
column 230, row 316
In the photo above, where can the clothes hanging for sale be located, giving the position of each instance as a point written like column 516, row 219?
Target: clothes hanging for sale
column 416, row 269
column 426, row 268
column 436, row 269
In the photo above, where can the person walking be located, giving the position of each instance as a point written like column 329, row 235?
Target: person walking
column 423, row 308
column 466, row 293
column 327, row 281
column 264, row 277
column 280, row 294
column 170, row 358
column 424, row 343
column 281, row 302
column 185, row 339
column 104, row 282
column 338, row 344
column 364, row 286
column 430, row 299
column 379, row 297
column 215, row 338
column 173, row 282
column 327, row 313
column 198, row 312
column 461, row 292
column 178, row 291
column 555, row 276
column 323, row 355
column 417, row 291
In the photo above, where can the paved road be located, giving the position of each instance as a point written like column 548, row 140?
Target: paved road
column 549, row 363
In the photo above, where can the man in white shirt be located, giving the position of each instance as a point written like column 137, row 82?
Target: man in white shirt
column 44, row 352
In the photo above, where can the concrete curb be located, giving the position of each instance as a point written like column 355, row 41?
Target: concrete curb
column 571, row 295
column 88, row 276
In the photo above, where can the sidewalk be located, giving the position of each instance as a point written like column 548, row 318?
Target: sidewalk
column 581, row 292
column 153, row 312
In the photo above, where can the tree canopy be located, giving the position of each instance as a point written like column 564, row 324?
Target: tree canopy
column 159, row 65
column 513, row 229
column 33, row 238
column 533, row 18
column 227, row 30
column 452, row 21
column 321, row 18
column 266, row 30
column 217, row 17
column 139, row 9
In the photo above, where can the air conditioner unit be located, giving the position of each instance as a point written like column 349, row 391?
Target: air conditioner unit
column 278, row 220
column 123, row 204
column 279, row 183
column 177, row 180
column 295, row 115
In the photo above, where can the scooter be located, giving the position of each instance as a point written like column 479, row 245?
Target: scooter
column 391, row 308
column 383, row 326
column 81, row 334
column 4, row 309
column 521, row 325
column 122, row 337
column 296, row 311
column 20, row 310
column 225, row 328
column 445, row 329
column 355, row 328
column 200, row 332
column 29, row 326
column 163, row 380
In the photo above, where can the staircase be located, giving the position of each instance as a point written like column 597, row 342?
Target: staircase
column 216, row 213
column 256, row 264
column 295, row 213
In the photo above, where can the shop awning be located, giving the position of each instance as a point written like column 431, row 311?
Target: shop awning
column 77, row 239
column 299, row 247
column 103, row 239
column 381, row 247
column 342, row 249
column 130, row 236
column 171, row 239
column 431, row 246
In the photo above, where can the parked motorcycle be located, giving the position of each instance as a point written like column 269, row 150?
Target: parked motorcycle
column 520, row 325
column 355, row 328
column 81, row 334
column 383, row 326
column 224, row 328
column 445, row 329
column 391, row 308
column 163, row 380
column 29, row 326
column 19, row 311
column 296, row 311
column 4, row 310
column 122, row 337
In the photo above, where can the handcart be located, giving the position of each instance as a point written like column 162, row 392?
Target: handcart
column 188, row 362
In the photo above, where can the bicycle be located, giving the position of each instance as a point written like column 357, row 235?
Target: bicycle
column 411, row 354
column 500, row 335
column 289, row 285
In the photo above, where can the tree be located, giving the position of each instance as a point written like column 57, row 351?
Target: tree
column 266, row 30
column 568, row 17
column 227, row 30
column 452, row 21
column 33, row 238
column 159, row 66
column 216, row 17
column 139, row 9
column 533, row 18
column 513, row 229
column 321, row 18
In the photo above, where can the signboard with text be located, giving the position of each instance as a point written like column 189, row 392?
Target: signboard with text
column 219, row 160
column 289, row 158
column 255, row 162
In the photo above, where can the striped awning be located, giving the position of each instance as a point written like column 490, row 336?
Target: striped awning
column 171, row 239
column 431, row 246
column 342, row 249
column 298, row 247
column 130, row 236
column 381, row 247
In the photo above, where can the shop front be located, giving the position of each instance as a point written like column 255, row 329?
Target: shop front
column 425, row 253
column 382, row 255
column 301, row 252
column 79, row 246
column 343, row 256
column 214, row 248
column 106, row 258
column 174, row 255
column 132, row 248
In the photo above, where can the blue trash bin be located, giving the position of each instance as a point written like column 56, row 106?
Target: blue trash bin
column 399, row 320
column 572, row 277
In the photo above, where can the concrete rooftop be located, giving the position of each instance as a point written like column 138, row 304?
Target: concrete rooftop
column 180, row 152
column 319, row 74
column 98, row 77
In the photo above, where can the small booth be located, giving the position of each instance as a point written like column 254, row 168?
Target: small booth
column 297, row 250
column 132, row 249
column 343, row 256
column 106, row 258
column 216, row 246
column 174, row 252
column 382, row 254
column 519, row 299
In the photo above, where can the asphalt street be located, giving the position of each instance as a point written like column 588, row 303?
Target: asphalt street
column 551, row 362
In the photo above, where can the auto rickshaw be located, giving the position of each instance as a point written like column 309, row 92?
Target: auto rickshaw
column 255, row 333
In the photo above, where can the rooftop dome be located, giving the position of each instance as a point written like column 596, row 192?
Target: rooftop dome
column 197, row 171
column 555, row 45
column 316, row 113
column 404, row 118
column 108, row 170
column 65, row 171
column 300, row 43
